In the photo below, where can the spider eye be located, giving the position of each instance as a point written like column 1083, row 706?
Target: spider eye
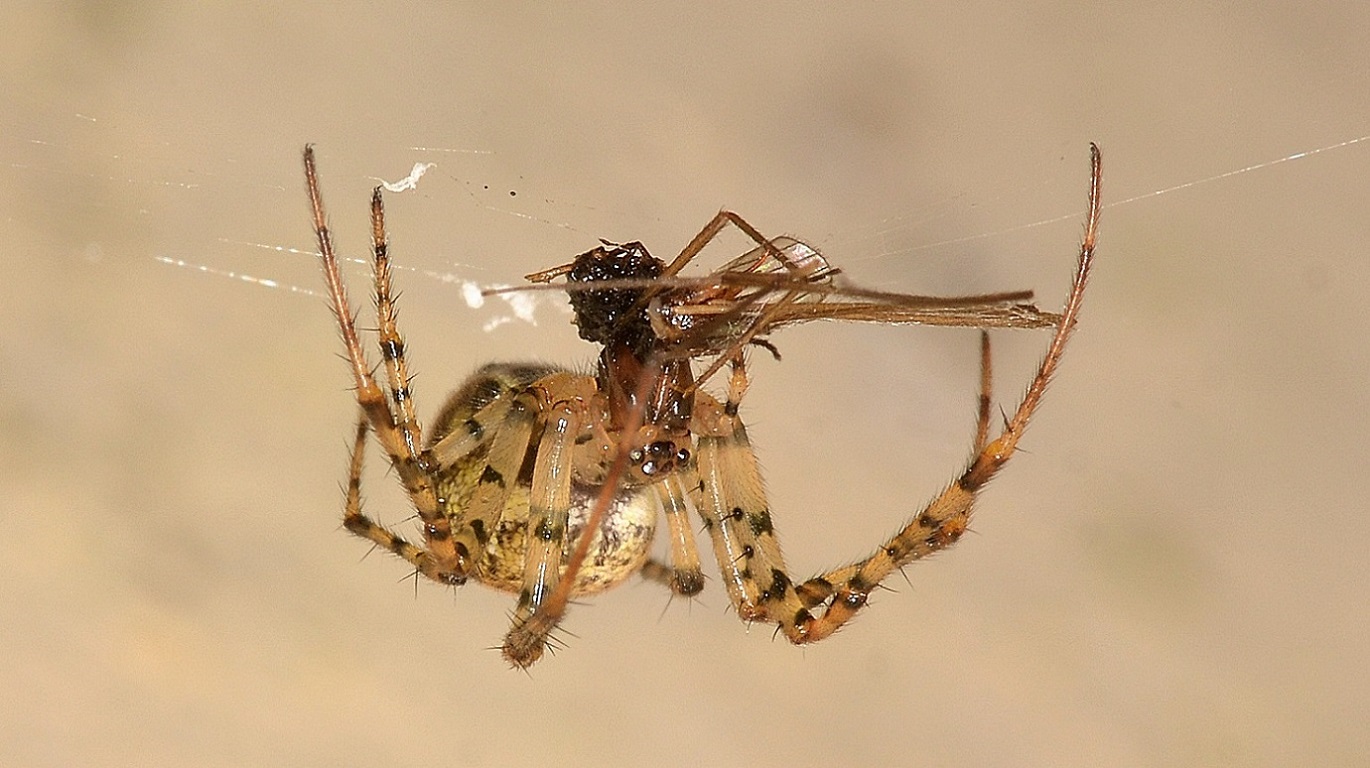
column 658, row 457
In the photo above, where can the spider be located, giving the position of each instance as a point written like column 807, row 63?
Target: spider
column 547, row 483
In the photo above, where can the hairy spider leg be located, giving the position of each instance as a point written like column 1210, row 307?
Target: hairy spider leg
column 733, row 505
column 500, row 420
column 444, row 559
column 684, row 576
column 356, row 521
column 529, row 636
column 388, row 335
column 548, row 511
column 731, row 500
column 515, row 438
column 479, row 512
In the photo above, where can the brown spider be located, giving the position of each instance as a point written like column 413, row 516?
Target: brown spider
column 546, row 483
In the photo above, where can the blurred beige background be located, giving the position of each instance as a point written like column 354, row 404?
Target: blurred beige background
column 1171, row 574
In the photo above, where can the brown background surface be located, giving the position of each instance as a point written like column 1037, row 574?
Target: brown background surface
column 1172, row 574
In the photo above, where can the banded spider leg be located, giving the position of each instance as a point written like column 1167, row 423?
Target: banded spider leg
column 478, row 457
column 730, row 496
column 444, row 558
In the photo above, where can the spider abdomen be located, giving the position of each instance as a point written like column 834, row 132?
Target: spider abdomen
column 616, row 552
column 495, row 490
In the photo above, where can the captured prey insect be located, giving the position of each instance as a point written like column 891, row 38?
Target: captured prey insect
column 548, row 483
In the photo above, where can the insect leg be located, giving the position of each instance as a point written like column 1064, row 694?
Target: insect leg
column 711, row 230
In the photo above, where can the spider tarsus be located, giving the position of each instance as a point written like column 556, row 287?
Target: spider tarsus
column 527, row 641
column 687, row 583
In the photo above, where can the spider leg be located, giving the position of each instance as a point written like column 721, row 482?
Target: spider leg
column 357, row 522
column 477, row 477
column 731, row 499
column 475, row 431
column 820, row 589
column 527, row 640
column 478, row 458
column 684, row 575
column 548, row 511
column 443, row 560
column 388, row 335
column 944, row 520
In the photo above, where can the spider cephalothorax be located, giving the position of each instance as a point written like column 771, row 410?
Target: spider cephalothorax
column 548, row 483
column 619, row 319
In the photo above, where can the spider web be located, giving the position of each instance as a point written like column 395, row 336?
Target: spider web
column 229, row 255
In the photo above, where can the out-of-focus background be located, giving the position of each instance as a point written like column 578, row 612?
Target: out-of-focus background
column 1172, row 572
